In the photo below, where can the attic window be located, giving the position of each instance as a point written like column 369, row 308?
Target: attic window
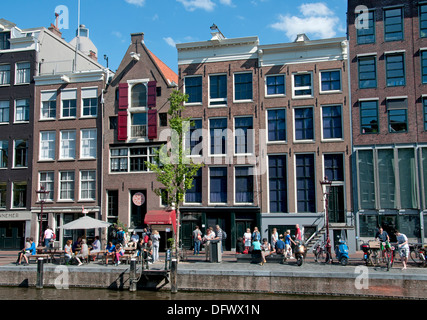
column 4, row 40
column 139, row 95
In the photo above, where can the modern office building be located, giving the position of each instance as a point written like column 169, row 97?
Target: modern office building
column 388, row 59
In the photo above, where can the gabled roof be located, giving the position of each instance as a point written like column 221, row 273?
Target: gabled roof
column 167, row 72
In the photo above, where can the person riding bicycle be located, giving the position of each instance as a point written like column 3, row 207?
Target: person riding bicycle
column 382, row 236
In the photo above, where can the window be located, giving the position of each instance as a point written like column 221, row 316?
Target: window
column 334, row 167
column 397, row 115
column 4, row 153
column 4, row 40
column 276, row 124
column 306, row 187
column 66, row 185
column 3, row 191
column 131, row 159
column 423, row 21
column 367, row 34
column 90, row 102
column 330, row 80
column 163, row 119
column 425, row 114
column 369, row 117
column 69, row 103
column 304, row 126
column 113, row 203
column 48, row 110
column 365, row 167
column 4, row 74
column 194, row 138
column 393, row 24
column 19, row 195
column 4, row 111
column 395, row 70
column 138, row 125
column 243, row 135
column 277, row 183
column 88, row 144
column 163, row 197
column 424, row 65
column 244, row 185
column 88, row 185
column 218, row 136
column 47, row 182
column 367, row 72
column 303, row 85
column 47, row 145
column 243, row 86
column 218, row 90
column 386, row 179
column 67, row 145
column 194, row 194
column 193, row 87
column 22, row 72
column 218, row 184
column 275, row 85
column 22, row 110
column 332, row 122
column 139, row 95
column 21, row 153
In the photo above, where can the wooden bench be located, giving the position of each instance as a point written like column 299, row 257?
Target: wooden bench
column 34, row 257
column 126, row 258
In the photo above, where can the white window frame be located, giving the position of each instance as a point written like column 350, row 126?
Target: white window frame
column 250, row 136
column 193, row 103
column 16, row 113
column 92, row 144
column 251, row 168
column 302, row 88
column 26, row 72
column 66, row 181
column 321, row 123
column 224, row 100
column 47, row 96
column 47, row 148
column 89, row 93
column 294, row 127
column 47, row 182
column 90, row 182
column 61, row 145
column 234, row 87
column 276, row 94
column 320, row 81
column 66, row 92
column 4, row 74
column 8, row 110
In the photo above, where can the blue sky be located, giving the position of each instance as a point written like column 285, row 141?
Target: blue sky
column 167, row 22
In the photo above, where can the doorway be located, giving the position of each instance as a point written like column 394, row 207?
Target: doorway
column 12, row 235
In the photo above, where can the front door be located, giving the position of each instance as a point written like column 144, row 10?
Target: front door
column 11, row 235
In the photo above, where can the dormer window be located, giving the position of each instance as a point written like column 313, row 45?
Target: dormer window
column 139, row 95
column 4, row 40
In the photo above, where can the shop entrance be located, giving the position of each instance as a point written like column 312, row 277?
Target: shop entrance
column 12, row 235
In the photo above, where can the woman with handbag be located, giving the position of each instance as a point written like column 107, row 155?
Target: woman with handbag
column 197, row 237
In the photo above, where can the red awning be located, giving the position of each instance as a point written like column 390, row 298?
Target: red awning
column 161, row 217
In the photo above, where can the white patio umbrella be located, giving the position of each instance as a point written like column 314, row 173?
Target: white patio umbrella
column 85, row 223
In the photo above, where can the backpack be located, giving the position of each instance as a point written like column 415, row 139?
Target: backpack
column 53, row 236
column 120, row 235
column 224, row 235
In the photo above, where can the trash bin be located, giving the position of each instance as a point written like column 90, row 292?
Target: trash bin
column 215, row 251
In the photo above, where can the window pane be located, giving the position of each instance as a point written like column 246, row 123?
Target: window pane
column 367, row 72
column 305, row 183
column 243, row 86
column 369, row 116
column 407, row 179
column 244, row 185
column 218, row 184
column 332, row 123
column 277, row 183
column 218, row 133
column 193, row 87
column 194, row 195
column 276, row 125
column 366, row 179
column 386, row 181
column 243, row 135
column 304, row 124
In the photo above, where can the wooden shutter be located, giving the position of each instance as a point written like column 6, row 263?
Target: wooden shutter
column 123, row 96
column 152, row 124
column 152, row 93
column 122, row 126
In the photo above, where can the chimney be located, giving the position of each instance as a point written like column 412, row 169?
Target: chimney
column 54, row 28
column 137, row 37
column 92, row 55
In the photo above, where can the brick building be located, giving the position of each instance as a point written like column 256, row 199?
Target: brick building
column 388, row 60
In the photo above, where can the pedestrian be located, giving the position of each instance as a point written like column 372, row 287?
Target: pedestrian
column 298, row 235
column 148, row 251
column 274, row 237
column 210, row 235
column 155, row 238
column 256, row 235
column 218, row 237
column 403, row 246
column 197, row 239
column 247, row 236
column 140, row 247
column 288, row 241
column 280, row 247
column 47, row 237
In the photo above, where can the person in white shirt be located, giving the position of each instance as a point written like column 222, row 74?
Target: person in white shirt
column 210, row 235
column 403, row 247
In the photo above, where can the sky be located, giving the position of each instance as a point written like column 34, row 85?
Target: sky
column 168, row 22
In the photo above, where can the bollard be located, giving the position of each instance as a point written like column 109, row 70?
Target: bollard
column 168, row 259
column 132, row 275
column 39, row 284
column 174, row 270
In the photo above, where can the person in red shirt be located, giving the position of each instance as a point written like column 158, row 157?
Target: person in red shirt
column 298, row 236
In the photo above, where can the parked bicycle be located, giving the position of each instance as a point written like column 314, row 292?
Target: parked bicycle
column 418, row 254
column 321, row 253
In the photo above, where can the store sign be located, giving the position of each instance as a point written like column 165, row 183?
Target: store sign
column 13, row 216
column 138, row 199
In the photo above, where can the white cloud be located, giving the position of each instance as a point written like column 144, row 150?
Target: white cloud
column 138, row 3
column 192, row 5
column 227, row 3
column 317, row 20
column 170, row 41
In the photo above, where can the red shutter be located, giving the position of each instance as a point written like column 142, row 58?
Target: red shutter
column 122, row 126
column 123, row 96
column 152, row 124
column 152, row 93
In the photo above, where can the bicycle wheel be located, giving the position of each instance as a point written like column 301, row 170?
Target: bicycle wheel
column 387, row 260
column 415, row 257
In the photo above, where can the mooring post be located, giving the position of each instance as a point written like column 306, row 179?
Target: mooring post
column 39, row 284
column 174, row 269
column 132, row 275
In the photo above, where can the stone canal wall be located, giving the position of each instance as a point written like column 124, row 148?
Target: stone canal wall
column 287, row 282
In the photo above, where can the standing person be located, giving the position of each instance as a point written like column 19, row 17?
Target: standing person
column 288, row 241
column 256, row 235
column 148, row 251
column 403, row 246
column 155, row 237
column 298, row 235
column 274, row 237
column 48, row 235
column 121, row 236
column 197, row 238
column 140, row 247
column 219, row 232
column 247, row 236
column 210, row 235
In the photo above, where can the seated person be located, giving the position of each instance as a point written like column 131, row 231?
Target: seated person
column 265, row 249
column 29, row 250
column 118, row 253
column 69, row 253
column 110, row 251
column 84, row 251
column 96, row 248
column 280, row 246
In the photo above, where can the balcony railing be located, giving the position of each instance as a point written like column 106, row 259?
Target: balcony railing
column 138, row 131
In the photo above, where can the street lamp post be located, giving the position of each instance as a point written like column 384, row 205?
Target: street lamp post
column 326, row 190
column 42, row 196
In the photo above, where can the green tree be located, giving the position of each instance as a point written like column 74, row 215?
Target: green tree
column 174, row 170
